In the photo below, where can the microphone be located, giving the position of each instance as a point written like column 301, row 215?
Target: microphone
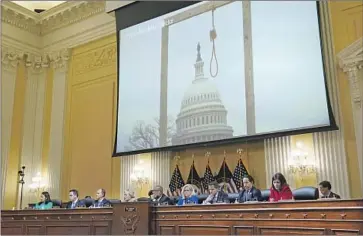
column 21, row 174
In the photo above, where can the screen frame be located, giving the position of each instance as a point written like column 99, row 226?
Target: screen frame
column 148, row 10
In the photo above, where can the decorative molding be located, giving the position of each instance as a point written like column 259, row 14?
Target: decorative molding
column 95, row 59
column 352, row 55
column 350, row 61
column 71, row 15
column 59, row 60
column 18, row 18
column 10, row 57
column 46, row 22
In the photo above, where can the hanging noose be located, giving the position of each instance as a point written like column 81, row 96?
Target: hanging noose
column 213, row 36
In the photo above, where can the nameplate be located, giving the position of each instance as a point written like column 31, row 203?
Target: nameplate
column 130, row 209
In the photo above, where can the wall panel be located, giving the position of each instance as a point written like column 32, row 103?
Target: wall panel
column 90, row 121
column 347, row 26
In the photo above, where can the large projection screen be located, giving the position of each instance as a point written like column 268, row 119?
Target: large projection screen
column 201, row 73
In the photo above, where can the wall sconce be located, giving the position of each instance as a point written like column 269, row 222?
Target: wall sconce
column 139, row 175
column 37, row 186
column 300, row 164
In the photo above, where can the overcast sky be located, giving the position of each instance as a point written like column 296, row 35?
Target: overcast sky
column 288, row 77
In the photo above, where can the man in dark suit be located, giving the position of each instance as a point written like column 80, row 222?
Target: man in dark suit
column 325, row 190
column 215, row 194
column 101, row 201
column 75, row 202
column 249, row 192
column 159, row 197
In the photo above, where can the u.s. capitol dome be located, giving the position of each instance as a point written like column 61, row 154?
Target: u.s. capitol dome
column 202, row 115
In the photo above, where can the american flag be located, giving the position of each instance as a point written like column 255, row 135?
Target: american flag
column 193, row 177
column 225, row 178
column 176, row 181
column 208, row 177
column 239, row 172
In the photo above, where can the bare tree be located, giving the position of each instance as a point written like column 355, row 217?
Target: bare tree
column 147, row 135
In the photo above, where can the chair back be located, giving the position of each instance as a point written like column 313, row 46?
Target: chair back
column 306, row 193
column 57, row 203
column 265, row 194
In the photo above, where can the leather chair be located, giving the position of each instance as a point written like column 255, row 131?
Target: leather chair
column 143, row 199
column 201, row 198
column 232, row 197
column 114, row 201
column 265, row 193
column 306, row 193
column 88, row 202
column 57, row 203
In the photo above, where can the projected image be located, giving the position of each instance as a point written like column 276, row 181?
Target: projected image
column 204, row 82
column 197, row 75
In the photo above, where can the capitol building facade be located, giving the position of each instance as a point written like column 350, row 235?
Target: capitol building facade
column 202, row 116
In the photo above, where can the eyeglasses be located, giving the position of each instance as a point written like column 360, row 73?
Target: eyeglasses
column 187, row 190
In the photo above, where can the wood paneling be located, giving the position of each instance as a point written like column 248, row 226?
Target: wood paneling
column 282, row 218
column 141, row 218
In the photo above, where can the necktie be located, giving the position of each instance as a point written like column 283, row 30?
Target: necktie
column 99, row 203
column 73, row 205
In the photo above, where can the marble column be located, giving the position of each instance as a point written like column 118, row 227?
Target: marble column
column 127, row 168
column 59, row 63
column 32, row 125
column 9, row 65
column 329, row 146
column 160, row 169
column 277, row 153
column 351, row 62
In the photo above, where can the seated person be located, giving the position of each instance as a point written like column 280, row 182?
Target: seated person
column 45, row 202
column 159, row 197
column 75, row 202
column 188, row 196
column 249, row 192
column 101, row 201
column 129, row 196
column 150, row 194
column 215, row 194
column 280, row 190
column 325, row 190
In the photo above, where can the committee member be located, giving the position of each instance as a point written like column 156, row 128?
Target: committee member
column 215, row 194
column 129, row 196
column 159, row 197
column 280, row 190
column 45, row 202
column 249, row 192
column 325, row 190
column 74, row 201
column 101, row 200
column 188, row 195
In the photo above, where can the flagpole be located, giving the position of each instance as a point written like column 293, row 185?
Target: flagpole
column 192, row 169
column 240, row 151
column 224, row 169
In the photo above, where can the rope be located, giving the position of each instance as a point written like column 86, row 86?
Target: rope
column 213, row 36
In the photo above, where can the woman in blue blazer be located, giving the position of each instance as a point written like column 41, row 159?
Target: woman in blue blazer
column 188, row 196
